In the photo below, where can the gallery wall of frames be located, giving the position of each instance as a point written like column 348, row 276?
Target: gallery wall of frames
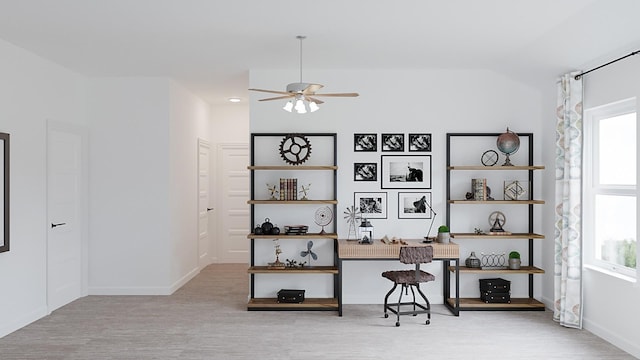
column 404, row 169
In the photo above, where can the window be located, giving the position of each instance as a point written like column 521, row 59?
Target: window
column 610, row 195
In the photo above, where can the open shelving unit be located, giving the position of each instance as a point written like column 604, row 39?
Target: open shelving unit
column 452, row 172
column 270, row 303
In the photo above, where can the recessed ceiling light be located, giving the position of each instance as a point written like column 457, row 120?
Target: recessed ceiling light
column 234, row 100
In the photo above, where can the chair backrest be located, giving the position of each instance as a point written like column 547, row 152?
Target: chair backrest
column 416, row 254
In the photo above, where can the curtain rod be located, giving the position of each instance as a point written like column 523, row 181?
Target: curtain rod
column 577, row 77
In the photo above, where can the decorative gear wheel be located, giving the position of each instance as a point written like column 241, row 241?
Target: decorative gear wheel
column 295, row 149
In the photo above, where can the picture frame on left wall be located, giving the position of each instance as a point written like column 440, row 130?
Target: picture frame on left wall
column 4, row 193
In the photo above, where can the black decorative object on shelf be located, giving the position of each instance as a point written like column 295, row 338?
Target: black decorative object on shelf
column 489, row 158
column 295, row 149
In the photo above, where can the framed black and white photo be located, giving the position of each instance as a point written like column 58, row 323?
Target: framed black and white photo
column 393, row 142
column 414, row 205
column 4, row 192
column 405, row 172
column 365, row 142
column 420, row 142
column 365, row 172
column 372, row 205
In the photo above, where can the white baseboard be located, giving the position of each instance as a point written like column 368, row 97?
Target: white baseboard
column 22, row 321
column 615, row 339
column 144, row 290
column 185, row 279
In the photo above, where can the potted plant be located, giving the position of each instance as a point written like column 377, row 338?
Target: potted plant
column 443, row 234
column 514, row 260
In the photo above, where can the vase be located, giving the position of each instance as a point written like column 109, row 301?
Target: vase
column 443, row 238
column 514, row 264
column 472, row 261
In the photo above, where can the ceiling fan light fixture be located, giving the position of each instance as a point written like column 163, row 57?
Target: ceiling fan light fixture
column 300, row 106
column 313, row 107
column 288, row 106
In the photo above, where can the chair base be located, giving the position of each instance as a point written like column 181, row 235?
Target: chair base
column 416, row 308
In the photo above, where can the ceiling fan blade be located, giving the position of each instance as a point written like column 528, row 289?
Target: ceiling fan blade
column 278, row 97
column 271, row 91
column 312, row 88
column 317, row 101
column 339, row 95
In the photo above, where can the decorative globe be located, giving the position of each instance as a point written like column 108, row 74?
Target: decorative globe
column 508, row 143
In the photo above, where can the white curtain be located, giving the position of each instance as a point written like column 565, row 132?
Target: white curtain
column 568, row 202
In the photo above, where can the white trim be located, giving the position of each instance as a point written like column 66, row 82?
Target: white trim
column 622, row 343
column 592, row 186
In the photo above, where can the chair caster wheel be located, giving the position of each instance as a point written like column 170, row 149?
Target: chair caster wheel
column 386, row 315
column 398, row 323
column 428, row 322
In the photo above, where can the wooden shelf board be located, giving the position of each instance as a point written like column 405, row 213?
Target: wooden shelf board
column 300, row 236
column 502, row 202
column 308, row 304
column 303, row 270
column 522, row 270
column 292, row 167
column 487, row 236
column 516, row 303
column 290, row 202
column 480, row 167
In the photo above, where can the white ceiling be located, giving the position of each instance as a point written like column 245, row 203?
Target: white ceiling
column 210, row 45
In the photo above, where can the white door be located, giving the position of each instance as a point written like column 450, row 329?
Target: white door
column 65, row 198
column 233, row 214
column 204, row 258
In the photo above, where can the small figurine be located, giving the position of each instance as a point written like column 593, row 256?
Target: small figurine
column 304, row 192
column 277, row 264
column 273, row 190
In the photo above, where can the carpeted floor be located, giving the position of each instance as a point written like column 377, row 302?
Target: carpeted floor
column 207, row 319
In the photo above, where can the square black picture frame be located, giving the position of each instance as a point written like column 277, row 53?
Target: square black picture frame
column 365, row 142
column 420, row 142
column 392, row 142
column 365, row 172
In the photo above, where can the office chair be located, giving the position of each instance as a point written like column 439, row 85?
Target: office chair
column 410, row 279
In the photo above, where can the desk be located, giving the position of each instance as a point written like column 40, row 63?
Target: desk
column 352, row 250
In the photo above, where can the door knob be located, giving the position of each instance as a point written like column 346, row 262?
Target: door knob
column 58, row 224
column 209, row 209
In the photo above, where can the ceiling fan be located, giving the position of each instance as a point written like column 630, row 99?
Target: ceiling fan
column 302, row 95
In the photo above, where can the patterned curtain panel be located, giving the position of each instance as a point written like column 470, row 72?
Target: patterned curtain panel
column 568, row 228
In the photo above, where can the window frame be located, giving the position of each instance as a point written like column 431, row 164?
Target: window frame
column 592, row 186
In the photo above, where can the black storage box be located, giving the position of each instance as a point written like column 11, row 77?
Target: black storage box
column 496, row 298
column 290, row 296
column 495, row 285
column 495, row 291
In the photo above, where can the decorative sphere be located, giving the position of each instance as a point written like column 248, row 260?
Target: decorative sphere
column 508, row 143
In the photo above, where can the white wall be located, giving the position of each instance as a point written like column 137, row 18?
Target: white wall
column 143, row 170
column 189, row 120
column 129, row 172
column 607, row 318
column 432, row 101
column 32, row 91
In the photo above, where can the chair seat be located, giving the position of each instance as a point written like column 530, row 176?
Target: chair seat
column 408, row 276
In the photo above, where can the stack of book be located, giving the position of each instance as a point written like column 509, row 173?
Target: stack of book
column 288, row 189
column 479, row 189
